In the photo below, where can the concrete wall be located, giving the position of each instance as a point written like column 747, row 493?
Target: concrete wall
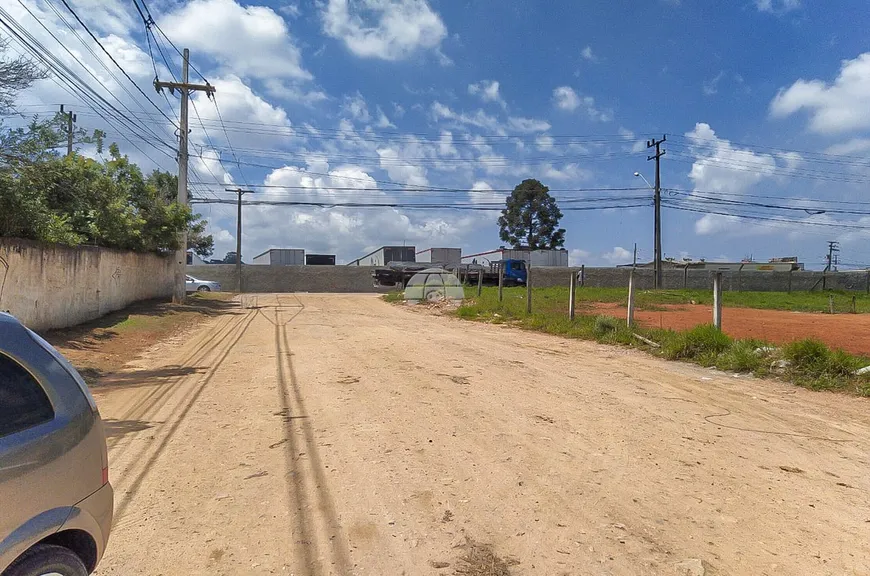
column 51, row 286
column 359, row 279
column 703, row 279
column 290, row 278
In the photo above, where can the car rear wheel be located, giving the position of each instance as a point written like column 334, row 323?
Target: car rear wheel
column 47, row 560
column 203, row 289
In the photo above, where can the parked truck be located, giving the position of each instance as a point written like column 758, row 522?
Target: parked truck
column 398, row 274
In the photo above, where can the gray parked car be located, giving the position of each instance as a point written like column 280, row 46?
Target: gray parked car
column 195, row 285
column 56, row 502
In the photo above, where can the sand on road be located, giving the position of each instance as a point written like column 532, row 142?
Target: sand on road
column 337, row 434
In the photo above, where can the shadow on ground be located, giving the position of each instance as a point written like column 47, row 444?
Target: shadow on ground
column 118, row 428
column 136, row 378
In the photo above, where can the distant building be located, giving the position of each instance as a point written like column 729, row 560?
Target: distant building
column 193, row 259
column 281, row 257
column 451, row 256
column 534, row 258
column 386, row 254
column 320, row 259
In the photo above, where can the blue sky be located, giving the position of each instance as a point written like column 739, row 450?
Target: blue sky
column 763, row 101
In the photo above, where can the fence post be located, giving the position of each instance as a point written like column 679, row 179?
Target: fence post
column 572, row 295
column 831, row 303
column 630, row 315
column 854, row 305
column 479, row 281
column 790, row 272
column 583, row 276
column 868, row 281
column 501, row 281
column 717, row 300
column 686, row 277
column 529, row 289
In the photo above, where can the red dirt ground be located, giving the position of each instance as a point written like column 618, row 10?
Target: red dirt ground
column 850, row 332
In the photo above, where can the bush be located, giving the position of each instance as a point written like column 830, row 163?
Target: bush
column 605, row 325
column 741, row 357
column 809, row 356
column 702, row 343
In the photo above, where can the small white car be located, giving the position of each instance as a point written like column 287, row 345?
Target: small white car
column 194, row 285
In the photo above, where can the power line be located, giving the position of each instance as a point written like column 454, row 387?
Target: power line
column 115, row 62
column 408, row 206
column 689, row 208
column 69, row 81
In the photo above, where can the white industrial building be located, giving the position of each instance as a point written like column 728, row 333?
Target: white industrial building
column 386, row 254
column 449, row 256
column 281, row 257
column 534, row 258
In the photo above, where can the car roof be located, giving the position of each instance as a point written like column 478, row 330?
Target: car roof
column 7, row 318
column 10, row 328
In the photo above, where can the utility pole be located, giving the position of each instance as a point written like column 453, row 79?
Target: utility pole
column 833, row 248
column 240, row 192
column 658, row 206
column 185, row 88
column 70, row 120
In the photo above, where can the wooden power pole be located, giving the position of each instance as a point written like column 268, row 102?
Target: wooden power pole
column 70, row 120
column 240, row 192
column 185, row 88
column 658, row 206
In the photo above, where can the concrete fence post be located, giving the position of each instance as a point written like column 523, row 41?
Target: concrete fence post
column 529, row 290
column 717, row 300
column 501, row 281
column 831, row 303
column 583, row 276
column 854, row 305
column 686, row 277
column 479, row 282
column 630, row 313
column 790, row 272
column 572, row 295
column 868, row 282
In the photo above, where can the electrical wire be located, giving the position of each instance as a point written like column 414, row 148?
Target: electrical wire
column 112, row 58
column 70, row 82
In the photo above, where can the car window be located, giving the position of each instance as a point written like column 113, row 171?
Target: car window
column 66, row 366
column 23, row 403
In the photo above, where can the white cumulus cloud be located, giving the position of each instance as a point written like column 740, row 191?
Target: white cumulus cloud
column 253, row 41
column 385, row 29
column 488, row 90
column 777, row 6
column 841, row 106
column 566, row 98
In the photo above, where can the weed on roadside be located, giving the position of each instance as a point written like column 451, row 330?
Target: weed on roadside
column 808, row 363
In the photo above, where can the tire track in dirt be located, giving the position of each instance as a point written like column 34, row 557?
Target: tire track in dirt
column 317, row 496
column 185, row 406
column 149, row 401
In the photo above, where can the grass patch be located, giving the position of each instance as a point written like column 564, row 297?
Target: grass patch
column 394, row 297
column 810, row 363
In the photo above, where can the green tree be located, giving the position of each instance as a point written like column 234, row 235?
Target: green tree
column 15, row 75
column 531, row 218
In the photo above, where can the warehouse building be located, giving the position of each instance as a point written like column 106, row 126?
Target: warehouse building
column 281, row 257
column 386, row 254
column 449, row 256
column 534, row 258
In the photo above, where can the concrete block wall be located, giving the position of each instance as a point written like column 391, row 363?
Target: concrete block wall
column 290, row 278
column 52, row 286
column 358, row 278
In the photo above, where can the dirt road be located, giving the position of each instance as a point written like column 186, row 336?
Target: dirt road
column 317, row 435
